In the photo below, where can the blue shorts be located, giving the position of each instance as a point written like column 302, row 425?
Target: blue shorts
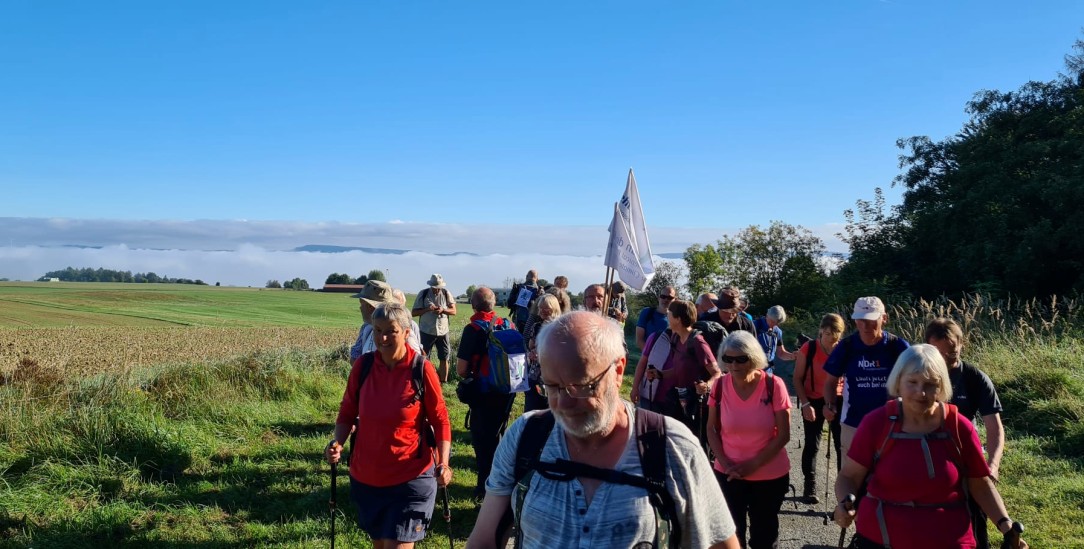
column 401, row 512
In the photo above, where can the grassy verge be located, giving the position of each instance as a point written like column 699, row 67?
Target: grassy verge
column 227, row 454
column 1041, row 386
column 207, row 455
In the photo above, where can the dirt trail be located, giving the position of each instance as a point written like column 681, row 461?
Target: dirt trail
column 802, row 525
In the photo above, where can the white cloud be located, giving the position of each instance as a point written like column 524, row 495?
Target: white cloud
column 252, row 266
column 248, row 253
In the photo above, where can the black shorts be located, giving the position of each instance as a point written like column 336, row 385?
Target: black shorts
column 401, row 512
column 444, row 348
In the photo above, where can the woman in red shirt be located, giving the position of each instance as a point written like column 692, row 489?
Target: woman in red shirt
column 394, row 470
column 809, row 378
column 922, row 459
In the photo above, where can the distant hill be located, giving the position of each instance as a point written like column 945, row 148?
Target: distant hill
column 324, row 249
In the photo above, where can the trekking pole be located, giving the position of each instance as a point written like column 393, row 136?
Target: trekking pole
column 444, row 501
column 828, row 471
column 848, row 504
column 331, row 502
column 447, row 515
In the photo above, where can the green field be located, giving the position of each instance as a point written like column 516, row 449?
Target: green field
column 53, row 304
column 226, row 452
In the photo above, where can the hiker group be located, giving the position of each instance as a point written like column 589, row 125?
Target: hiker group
column 696, row 457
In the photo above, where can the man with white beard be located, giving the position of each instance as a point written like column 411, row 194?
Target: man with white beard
column 583, row 359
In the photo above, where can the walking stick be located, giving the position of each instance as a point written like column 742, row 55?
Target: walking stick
column 447, row 515
column 828, row 471
column 331, row 502
column 848, row 504
column 444, row 501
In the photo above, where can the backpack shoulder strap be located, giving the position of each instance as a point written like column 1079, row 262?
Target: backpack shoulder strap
column 417, row 380
column 651, row 444
column 536, row 431
column 810, row 353
column 417, row 377
column 367, row 361
column 952, row 427
column 770, row 388
column 894, row 411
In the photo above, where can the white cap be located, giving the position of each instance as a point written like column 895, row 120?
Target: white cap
column 868, row 308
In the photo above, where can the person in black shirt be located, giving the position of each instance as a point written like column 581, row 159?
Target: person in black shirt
column 730, row 315
column 974, row 396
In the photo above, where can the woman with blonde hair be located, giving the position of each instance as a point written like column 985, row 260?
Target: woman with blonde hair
column 549, row 308
column 920, row 461
column 809, row 376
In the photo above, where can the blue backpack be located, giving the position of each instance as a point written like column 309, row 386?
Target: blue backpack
column 504, row 367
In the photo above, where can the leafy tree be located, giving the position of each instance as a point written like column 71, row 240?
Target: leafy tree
column 377, row 274
column 543, row 283
column 667, row 273
column 470, row 290
column 339, row 278
column 361, row 280
column 707, row 267
column 273, row 284
column 762, row 255
column 994, row 207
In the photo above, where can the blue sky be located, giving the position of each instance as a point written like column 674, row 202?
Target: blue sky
column 731, row 113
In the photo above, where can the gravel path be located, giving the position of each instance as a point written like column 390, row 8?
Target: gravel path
column 802, row 525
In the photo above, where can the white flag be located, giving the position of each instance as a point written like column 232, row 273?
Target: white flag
column 629, row 251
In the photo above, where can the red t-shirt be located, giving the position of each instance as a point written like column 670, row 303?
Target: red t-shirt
column 748, row 426
column 901, row 476
column 389, row 433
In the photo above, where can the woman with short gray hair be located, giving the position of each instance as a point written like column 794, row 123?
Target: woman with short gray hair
column 770, row 335
column 748, row 431
column 394, row 475
column 919, row 461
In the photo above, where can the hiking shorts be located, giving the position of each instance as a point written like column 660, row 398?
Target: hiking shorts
column 444, row 348
column 401, row 512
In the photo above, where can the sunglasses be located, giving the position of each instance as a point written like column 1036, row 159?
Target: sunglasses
column 739, row 359
column 667, row 297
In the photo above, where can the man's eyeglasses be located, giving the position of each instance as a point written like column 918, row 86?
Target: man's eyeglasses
column 667, row 297
column 739, row 359
column 586, row 390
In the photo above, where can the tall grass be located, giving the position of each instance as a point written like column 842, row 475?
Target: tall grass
column 226, row 452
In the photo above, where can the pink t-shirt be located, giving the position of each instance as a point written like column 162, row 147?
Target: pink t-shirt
column 749, row 425
column 901, row 476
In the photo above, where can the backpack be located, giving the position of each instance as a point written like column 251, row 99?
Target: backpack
column 417, row 372
column 712, row 332
column 425, row 294
column 810, row 371
column 717, row 391
column 503, row 368
column 893, row 431
column 651, row 445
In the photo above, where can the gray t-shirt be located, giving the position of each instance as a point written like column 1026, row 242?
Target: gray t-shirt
column 430, row 322
column 556, row 514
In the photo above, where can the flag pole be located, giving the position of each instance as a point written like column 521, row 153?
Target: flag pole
column 606, row 296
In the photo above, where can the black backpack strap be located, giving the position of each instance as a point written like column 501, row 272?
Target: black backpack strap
column 417, row 379
column 651, row 443
column 536, row 431
column 770, row 387
column 365, row 366
column 811, row 351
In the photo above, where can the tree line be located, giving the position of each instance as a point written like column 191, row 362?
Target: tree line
column 87, row 274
